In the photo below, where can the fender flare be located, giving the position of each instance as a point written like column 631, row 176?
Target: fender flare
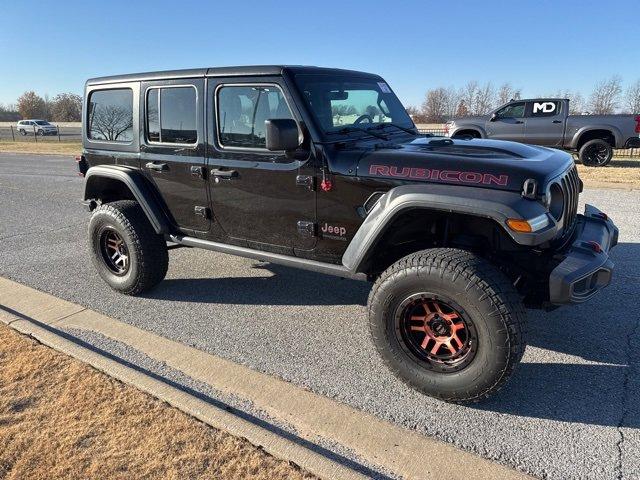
column 496, row 205
column 136, row 184
column 478, row 128
column 617, row 134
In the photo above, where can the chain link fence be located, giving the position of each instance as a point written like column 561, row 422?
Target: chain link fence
column 11, row 133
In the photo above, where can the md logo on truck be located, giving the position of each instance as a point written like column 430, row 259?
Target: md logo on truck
column 544, row 107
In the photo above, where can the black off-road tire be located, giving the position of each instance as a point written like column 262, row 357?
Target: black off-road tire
column 596, row 153
column 483, row 295
column 148, row 258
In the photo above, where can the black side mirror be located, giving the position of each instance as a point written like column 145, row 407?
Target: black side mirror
column 494, row 117
column 282, row 134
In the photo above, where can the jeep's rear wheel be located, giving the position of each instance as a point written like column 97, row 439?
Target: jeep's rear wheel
column 448, row 323
column 596, row 153
column 129, row 256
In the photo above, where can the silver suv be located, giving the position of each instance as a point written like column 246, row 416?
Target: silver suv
column 41, row 127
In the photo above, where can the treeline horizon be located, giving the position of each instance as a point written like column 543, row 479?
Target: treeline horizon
column 444, row 103
column 64, row 107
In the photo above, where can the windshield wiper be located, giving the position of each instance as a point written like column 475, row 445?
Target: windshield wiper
column 390, row 124
column 356, row 129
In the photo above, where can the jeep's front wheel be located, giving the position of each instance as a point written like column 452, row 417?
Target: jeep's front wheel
column 128, row 254
column 448, row 323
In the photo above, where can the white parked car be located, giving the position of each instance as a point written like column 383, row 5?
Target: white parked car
column 40, row 127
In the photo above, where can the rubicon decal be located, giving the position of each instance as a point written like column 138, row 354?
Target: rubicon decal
column 454, row 176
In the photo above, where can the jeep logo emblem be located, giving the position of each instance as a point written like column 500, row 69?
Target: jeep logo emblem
column 333, row 231
column 544, row 107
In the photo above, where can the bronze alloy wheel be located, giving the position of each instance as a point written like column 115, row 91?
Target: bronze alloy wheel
column 436, row 332
column 114, row 251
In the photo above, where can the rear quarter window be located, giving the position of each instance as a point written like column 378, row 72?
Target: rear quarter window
column 110, row 115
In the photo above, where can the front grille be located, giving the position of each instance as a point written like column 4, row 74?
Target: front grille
column 570, row 184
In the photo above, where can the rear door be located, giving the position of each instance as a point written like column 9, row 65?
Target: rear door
column 172, row 149
column 508, row 123
column 544, row 123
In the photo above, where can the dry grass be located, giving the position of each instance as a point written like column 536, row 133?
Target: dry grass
column 620, row 173
column 60, row 418
column 42, row 148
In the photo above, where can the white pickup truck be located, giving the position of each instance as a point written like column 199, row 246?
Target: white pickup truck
column 545, row 121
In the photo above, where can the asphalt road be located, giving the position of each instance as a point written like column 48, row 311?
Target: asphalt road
column 572, row 410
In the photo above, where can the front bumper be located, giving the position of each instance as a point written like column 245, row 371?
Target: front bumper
column 586, row 267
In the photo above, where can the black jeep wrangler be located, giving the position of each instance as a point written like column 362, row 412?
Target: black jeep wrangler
column 323, row 169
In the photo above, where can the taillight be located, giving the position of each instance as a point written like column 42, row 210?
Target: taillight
column 638, row 124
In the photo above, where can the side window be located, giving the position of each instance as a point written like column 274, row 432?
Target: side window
column 242, row 112
column 172, row 115
column 110, row 115
column 544, row 109
column 515, row 110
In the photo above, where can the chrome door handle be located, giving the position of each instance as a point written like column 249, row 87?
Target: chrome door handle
column 158, row 167
column 226, row 174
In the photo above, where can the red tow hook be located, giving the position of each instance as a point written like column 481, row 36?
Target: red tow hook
column 595, row 246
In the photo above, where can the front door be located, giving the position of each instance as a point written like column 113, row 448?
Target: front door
column 259, row 198
column 508, row 123
column 172, row 151
column 545, row 122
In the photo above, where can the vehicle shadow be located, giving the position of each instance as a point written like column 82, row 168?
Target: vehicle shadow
column 285, row 286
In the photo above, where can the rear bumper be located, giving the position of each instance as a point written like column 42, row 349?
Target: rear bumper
column 585, row 270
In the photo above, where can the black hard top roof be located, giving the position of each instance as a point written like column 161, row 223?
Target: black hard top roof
column 224, row 72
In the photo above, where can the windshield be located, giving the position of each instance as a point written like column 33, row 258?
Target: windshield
column 42, row 122
column 337, row 102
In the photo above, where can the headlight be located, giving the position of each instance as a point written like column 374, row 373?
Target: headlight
column 555, row 201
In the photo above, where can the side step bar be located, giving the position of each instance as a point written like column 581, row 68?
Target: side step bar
column 295, row 262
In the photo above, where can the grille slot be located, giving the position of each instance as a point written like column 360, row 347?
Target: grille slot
column 570, row 184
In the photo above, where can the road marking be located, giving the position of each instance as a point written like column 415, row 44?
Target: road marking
column 403, row 452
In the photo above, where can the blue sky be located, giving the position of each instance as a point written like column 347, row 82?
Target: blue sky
column 538, row 45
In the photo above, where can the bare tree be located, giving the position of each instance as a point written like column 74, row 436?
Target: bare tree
column 454, row 96
column 606, row 96
column 485, row 99
column 415, row 114
column 506, row 93
column 8, row 113
column 468, row 95
column 110, row 122
column 632, row 98
column 462, row 110
column 31, row 105
column 66, row 107
column 436, row 105
column 479, row 99
column 576, row 101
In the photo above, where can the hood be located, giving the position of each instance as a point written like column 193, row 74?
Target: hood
column 481, row 163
